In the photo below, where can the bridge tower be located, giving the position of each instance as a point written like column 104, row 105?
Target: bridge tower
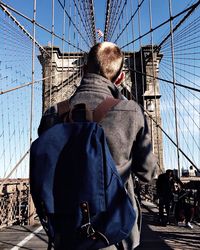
column 151, row 100
column 63, row 72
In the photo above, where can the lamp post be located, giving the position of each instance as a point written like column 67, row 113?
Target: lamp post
column 150, row 106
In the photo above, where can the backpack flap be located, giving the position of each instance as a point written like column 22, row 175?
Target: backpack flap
column 60, row 158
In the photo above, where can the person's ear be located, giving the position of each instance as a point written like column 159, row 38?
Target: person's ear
column 120, row 78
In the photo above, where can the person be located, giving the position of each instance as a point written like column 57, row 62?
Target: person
column 192, row 171
column 185, row 206
column 177, row 187
column 125, row 125
column 164, row 186
column 137, row 189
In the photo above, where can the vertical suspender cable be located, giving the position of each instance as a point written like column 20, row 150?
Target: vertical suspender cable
column 141, row 55
column 78, row 44
column 134, row 59
column 117, row 19
column 151, row 121
column 128, row 54
column 30, row 208
column 74, row 35
column 174, row 87
column 63, row 48
column 110, row 21
column 69, row 48
column 92, row 18
column 33, row 71
column 154, row 89
column 83, row 62
column 112, row 18
column 107, row 20
column 52, row 44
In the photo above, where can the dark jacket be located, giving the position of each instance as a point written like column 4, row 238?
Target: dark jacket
column 127, row 134
column 164, row 186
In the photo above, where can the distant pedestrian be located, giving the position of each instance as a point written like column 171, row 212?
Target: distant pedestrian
column 184, row 210
column 192, row 171
column 164, row 186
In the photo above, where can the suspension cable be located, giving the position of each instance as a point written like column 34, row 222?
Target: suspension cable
column 133, row 15
column 193, row 7
column 40, row 26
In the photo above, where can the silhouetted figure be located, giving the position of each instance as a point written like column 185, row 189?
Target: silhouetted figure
column 164, row 192
column 184, row 209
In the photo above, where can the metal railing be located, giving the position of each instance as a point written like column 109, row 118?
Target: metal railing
column 14, row 202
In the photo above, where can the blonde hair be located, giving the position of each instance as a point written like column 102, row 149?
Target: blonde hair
column 105, row 59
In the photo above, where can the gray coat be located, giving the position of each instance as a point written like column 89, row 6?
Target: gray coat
column 127, row 134
column 128, row 139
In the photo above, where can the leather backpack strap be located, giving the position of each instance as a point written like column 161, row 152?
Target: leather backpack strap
column 98, row 114
column 101, row 110
column 63, row 107
column 63, row 110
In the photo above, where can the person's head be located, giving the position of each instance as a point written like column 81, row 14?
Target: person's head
column 106, row 59
column 169, row 173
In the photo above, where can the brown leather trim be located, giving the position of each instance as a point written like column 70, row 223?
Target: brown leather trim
column 63, row 107
column 102, row 109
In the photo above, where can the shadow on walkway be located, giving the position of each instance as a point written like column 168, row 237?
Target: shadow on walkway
column 156, row 237
column 149, row 238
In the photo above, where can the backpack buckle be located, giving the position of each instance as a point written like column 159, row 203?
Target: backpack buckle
column 86, row 227
column 87, row 230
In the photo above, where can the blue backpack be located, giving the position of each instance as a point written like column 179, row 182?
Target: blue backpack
column 77, row 191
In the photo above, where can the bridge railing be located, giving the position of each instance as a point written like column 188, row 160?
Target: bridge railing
column 14, row 196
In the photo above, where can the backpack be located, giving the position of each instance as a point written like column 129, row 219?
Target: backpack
column 78, row 194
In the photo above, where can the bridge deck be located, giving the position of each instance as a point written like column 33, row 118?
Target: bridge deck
column 154, row 236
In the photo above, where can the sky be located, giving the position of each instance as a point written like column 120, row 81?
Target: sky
column 44, row 14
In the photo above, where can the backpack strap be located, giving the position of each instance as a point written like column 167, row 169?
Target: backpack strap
column 102, row 109
column 98, row 114
column 63, row 107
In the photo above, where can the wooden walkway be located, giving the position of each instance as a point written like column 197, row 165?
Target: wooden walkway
column 154, row 237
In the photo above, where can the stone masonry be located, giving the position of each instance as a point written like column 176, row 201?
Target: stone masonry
column 61, row 74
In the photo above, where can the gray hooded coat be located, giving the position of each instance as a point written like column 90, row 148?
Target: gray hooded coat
column 128, row 139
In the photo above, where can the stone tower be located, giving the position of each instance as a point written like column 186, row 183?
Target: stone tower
column 148, row 95
column 143, row 86
column 152, row 100
column 61, row 74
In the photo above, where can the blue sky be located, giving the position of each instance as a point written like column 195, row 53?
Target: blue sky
column 44, row 15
